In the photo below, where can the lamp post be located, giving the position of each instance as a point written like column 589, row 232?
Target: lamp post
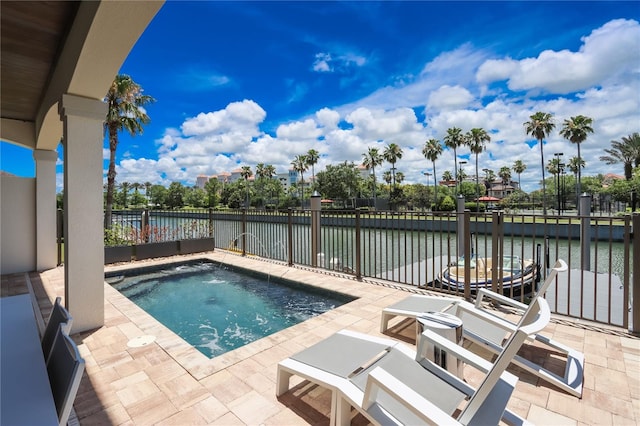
column 558, row 155
column 461, row 163
column 561, row 166
column 427, row 174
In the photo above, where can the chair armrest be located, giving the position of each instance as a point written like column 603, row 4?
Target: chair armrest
column 380, row 379
column 452, row 348
column 484, row 315
column 483, row 292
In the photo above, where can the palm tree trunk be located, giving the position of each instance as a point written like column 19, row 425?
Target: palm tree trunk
column 111, row 176
column 579, row 172
column 455, row 167
column 375, row 204
column 544, row 186
column 435, row 186
column 477, row 184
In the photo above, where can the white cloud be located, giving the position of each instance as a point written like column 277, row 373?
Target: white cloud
column 610, row 51
column 328, row 118
column 337, row 62
column 198, row 79
column 245, row 115
column 321, row 64
column 496, row 70
column 298, row 130
column 449, row 91
column 454, row 68
column 447, row 97
column 392, row 126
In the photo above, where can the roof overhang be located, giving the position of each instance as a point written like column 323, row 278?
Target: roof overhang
column 93, row 41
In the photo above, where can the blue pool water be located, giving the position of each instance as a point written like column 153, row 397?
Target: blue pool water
column 216, row 309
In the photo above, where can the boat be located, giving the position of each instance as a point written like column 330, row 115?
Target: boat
column 516, row 274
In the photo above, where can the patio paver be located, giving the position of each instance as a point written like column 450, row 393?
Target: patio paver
column 169, row 382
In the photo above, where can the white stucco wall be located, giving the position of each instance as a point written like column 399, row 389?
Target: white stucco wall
column 17, row 224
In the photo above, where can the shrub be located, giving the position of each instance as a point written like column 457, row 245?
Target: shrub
column 447, row 204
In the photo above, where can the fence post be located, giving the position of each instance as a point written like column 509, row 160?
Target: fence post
column 315, row 228
column 462, row 230
column 243, row 228
column 635, row 285
column 59, row 234
column 211, row 222
column 358, row 248
column 497, row 240
column 290, row 238
column 585, row 232
column 467, row 259
column 144, row 225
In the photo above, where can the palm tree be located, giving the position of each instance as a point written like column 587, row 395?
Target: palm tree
column 454, row 140
column 447, row 176
column 540, row 127
column 312, row 159
column 386, row 176
column 136, row 188
column 519, row 167
column 476, row 139
column 576, row 130
column 392, row 153
column 505, row 175
column 626, row 152
column 125, row 111
column 574, row 165
column 370, row 160
column 269, row 171
column 246, row 173
column 299, row 164
column 431, row 151
column 260, row 170
column 147, row 188
column 124, row 187
column 462, row 175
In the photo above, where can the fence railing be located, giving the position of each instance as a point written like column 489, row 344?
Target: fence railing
column 418, row 249
column 130, row 227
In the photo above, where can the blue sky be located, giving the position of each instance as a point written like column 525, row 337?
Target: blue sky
column 242, row 83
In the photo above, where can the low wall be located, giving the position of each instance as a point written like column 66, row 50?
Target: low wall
column 17, row 224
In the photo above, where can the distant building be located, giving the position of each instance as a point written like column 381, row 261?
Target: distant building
column 364, row 172
column 609, row 178
column 500, row 190
column 201, row 181
column 222, row 177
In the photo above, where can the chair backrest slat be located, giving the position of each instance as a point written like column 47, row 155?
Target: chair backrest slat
column 59, row 317
column 64, row 367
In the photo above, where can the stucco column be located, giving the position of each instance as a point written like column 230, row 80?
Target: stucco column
column 83, row 232
column 46, row 252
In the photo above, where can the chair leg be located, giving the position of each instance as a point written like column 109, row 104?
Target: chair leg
column 384, row 321
column 340, row 410
column 282, row 379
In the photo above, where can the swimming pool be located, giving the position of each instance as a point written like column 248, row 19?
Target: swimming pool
column 216, row 309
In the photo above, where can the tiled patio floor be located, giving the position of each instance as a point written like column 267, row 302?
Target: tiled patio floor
column 169, row 382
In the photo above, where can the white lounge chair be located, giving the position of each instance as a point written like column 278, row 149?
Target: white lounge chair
column 384, row 381
column 484, row 327
column 486, row 404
